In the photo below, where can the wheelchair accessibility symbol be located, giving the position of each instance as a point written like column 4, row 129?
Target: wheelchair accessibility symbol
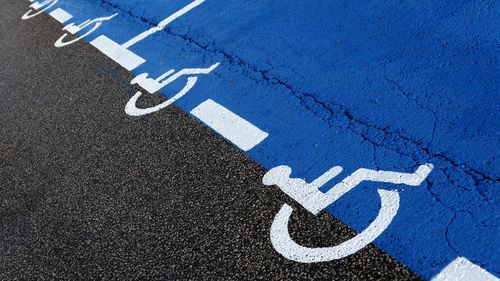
column 37, row 8
column 72, row 28
column 312, row 199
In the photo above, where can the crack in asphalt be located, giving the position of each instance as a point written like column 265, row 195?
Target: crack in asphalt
column 329, row 112
column 400, row 89
column 454, row 213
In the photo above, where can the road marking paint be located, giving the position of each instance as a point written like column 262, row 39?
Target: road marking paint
column 37, row 5
column 162, row 24
column 284, row 244
column 127, row 59
column 239, row 131
column 60, row 15
column 121, row 54
column 73, row 29
column 37, row 8
column 314, row 200
column 154, row 85
column 132, row 110
column 461, row 269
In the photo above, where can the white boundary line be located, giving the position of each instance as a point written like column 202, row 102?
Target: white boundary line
column 127, row 59
column 461, row 269
column 60, row 15
column 239, row 131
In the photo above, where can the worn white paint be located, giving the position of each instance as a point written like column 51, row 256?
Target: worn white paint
column 127, row 59
column 60, row 15
column 311, row 198
column 461, row 269
column 239, row 131
column 154, row 85
column 73, row 29
column 121, row 53
column 37, row 8
column 284, row 244
column 132, row 109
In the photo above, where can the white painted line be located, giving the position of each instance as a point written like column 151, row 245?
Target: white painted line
column 116, row 52
column 162, row 24
column 60, row 15
column 461, row 269
column 37, row 8
column 128, row 59
column 231, row 126
column 36, row 5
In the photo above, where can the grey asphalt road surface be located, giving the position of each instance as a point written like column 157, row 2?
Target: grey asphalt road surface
column 90, row 193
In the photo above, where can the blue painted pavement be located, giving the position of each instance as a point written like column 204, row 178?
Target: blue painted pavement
column 383, row 85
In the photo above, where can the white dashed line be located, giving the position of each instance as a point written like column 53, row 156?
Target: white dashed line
column 461, row 269
column 127, row 59
column 60, row 15
column 231, row 126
